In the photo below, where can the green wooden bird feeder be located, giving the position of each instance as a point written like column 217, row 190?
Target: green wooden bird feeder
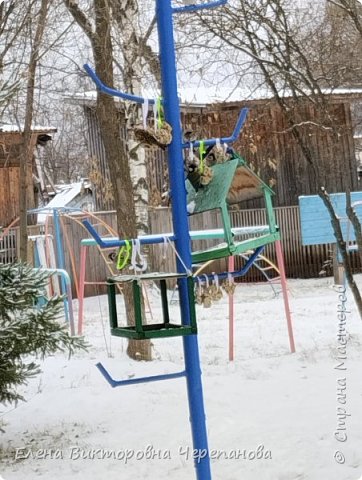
column 232, row 181
column 141, row 330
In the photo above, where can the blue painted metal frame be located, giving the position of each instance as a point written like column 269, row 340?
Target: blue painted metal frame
column 115, row 242
column 237, row 273
column 133, row 381
column 164, row 14
column 134, row 98
column 112, row 91
column 118, row 242
column 181, row 231
column 203, row 6
column 234, row 136
column 41, row 300
column 61, row 259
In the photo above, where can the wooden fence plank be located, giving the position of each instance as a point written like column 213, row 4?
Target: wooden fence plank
column 300, row 261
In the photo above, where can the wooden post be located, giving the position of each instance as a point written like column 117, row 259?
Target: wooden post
column 231, row 314
column 338, row 269
column 83, row 260
column 283, row 281
column 30, row 252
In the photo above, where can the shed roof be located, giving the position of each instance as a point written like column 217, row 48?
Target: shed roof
column 12, row 128
column 201, row 96
column 65, row 194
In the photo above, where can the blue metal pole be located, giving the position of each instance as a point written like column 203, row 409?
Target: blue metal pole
column 181, row 231
column 41, row 300
column 60, row 259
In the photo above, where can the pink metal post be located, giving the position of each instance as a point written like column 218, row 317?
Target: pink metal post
column 70, row 307
column 83, row 257
column 279, row 252
column 231, row 314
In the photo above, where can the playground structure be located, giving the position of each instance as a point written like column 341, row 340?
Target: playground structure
column 45, row 256
column 47, row 252
column 187, row 200
column 313, row 212
column 212, row 195
column 258, row 263
column 262, row 263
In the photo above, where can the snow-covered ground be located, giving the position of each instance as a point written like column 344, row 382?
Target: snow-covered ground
column 287, row 405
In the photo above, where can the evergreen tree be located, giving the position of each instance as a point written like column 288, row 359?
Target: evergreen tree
column 29, row 327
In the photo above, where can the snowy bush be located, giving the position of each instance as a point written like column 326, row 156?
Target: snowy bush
column 29, row 329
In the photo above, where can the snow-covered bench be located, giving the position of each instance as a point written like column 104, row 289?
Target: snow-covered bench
column 316, row 227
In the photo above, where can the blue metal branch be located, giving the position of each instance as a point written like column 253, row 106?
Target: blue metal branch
column 144, row 240
column 131, row 381
column 134, row 98
column 239, row 125
column 194, row 8
column 237, row 273
column 112, row 91
column 102, row 243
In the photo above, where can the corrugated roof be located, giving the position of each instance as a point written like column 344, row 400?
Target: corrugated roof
column 65, row 195
column 9, row 128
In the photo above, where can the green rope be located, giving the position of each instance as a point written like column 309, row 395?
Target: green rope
column 160, row 117
column 124, row 255
column 202, row 151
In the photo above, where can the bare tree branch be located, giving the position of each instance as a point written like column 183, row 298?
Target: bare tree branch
column 80, row 17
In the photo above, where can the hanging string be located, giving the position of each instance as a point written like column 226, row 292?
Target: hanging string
column 187, row 270
column 141, row 266
column 191, row 153
column 142, row 260
column 159, row 113
column 133, row 265
column 104, row 330
column 155, row 113
column 145, row 112
column 199, row 285
column 164, row 249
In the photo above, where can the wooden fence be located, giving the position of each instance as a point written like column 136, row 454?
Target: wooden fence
column 266, row 143
column 300, row 261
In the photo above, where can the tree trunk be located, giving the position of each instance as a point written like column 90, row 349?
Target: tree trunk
column 126, row 163
column 23, row 200
column 341, row 244
column 353, row 218
column 117, row 157
column 26, row 153
column 126, row 15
